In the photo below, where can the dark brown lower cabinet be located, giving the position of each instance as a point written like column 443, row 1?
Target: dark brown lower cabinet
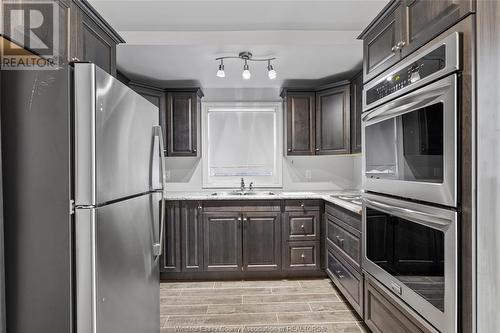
column 347, row 279
column 261, row 241
column 222, row 241
column 301, row 255
column 192, row 236
column 171, row 259
column 386, row 314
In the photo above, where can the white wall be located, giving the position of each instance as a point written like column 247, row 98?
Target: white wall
column 299, row 172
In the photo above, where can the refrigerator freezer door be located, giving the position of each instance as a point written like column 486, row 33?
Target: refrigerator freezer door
column 116, row 149
column 117, row 276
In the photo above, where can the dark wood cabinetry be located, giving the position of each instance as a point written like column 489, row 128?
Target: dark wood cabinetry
column 261, row 241
column 192, row 236
column 384, row 313
column 222, row 241
column 182, row 113
column 333, row 121
column 425, row 19
column 91, row 37
column 405, row 25
column 343, row 253
column 170, row 260
column 318, row 122
column 356, row 111
column 300, row 123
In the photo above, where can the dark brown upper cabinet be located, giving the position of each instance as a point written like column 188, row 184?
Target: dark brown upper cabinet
column 157, row 97
column 405, row 25
column 382, row 42
column 183, row 109
column 333, row 121
column 300, row 122
column 356, row 110
column 425, row 19
column 91, row 38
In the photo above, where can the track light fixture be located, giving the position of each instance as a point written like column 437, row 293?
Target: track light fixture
column 247, row 56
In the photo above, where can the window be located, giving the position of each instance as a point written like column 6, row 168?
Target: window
column 242, row 140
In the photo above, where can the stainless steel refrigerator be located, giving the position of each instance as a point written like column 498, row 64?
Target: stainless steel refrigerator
column 83, row 178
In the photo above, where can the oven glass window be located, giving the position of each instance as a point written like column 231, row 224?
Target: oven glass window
column 409, row 251
column 407, row 147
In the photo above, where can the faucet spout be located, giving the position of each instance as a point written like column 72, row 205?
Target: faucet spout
column 242, row 185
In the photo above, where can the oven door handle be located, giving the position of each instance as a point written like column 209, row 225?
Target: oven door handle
column 410, row 102
column 431, row 220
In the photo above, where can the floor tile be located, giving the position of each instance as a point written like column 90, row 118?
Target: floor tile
column 316, row 317
column 193, row 300
column 183, row 309
column 329, row 306
column 290, row 298
column 258, row 308
column 225, row 319
column 225, row 292
column 262, row 284
column 186, row 285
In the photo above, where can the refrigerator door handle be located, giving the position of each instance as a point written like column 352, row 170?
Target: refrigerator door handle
column 158, row 245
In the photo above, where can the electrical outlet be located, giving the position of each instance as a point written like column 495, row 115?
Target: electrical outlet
column 308, row 174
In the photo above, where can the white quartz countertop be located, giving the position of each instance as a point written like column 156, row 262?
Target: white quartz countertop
column 329, row 196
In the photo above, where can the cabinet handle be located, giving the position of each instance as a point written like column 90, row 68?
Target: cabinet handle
column 339, row 274
column 239, row 219
column 199, row 207
column 400, row 45
column 340, row 241
column 394, row 49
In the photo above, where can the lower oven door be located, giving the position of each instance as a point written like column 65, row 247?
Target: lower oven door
column 412, row 249
column 410, row 145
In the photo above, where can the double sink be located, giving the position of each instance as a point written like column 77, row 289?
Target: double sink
column 243, row 193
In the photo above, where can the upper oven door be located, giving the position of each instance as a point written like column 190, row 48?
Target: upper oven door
column 410, row 145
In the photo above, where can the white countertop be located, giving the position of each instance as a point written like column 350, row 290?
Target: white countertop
column 278, row 195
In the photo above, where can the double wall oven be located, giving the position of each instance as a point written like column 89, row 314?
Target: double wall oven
column 411, row 203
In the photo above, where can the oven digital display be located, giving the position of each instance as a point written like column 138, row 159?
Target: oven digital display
column 411, row 252
column 423, row 67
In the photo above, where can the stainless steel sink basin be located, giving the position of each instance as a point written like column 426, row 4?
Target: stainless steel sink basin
column 243, row 193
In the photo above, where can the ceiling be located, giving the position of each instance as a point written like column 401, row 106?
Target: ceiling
column 171, row 41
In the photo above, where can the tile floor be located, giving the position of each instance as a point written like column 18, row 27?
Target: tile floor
column 256, row 306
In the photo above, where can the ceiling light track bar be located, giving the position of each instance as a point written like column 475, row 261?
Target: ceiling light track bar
column 246, row 57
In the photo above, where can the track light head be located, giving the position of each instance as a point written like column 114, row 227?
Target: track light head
column 246, row 72
column 220, row 72
column 271, row 73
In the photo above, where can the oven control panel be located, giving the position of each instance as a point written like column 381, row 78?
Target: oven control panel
column 419, row 69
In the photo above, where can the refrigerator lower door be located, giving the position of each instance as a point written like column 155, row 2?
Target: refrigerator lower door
column 117, row 274
column 116, row 149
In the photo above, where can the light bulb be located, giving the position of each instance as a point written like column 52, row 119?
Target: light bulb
column 271, row 73
column 246, row 73
column 220, row 72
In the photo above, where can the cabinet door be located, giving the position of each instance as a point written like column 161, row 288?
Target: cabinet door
column 300, row 124
column 380, row 45
column 181, row 124
column 96, row 45
column 261, row 241
column 157, row 97
column 192, row 236
column 356, row 110
column 170, row 259
column 333, row 121
column 222, row 241
column 428, row 18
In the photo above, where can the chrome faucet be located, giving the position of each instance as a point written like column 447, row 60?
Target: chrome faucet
column 250, row 187
column 242, row 185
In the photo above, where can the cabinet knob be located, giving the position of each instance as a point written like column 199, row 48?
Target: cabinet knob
column 245, row 219
column 302, row 227
column 289, row 149
column 400, row 45
column 303, row 256
column 339, row 274
column 194, row 150
column 394, row 49
column 239, row 219
column 317, row 149
column 302, row 205
column 199, row 207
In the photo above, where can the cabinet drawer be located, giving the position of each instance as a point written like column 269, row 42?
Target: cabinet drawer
column 302, row 225
column 344, row 240
column 385, row 314
column 302, row 205
column 348, row 217
column 301, row 255
column 347, row 280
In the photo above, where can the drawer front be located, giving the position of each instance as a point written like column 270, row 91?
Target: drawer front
column 350, row 218
column 302, row 255
column 347, row 280
column 302, row 226
column 383, row 314
column 302, row 205
column 344, row 241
